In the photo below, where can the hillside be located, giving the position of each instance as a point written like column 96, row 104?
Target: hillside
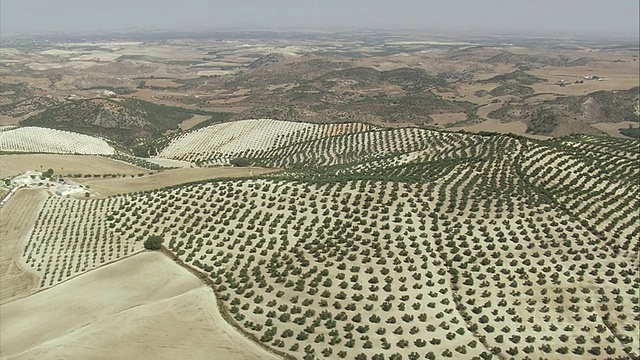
column 574, row 114
column 517, row 76
column 388, row 243
column 402, row 95
column 359, row 195
column 124, row 121
column 44, row 140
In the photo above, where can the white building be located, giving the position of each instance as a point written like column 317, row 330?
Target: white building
column 70, row 190
column 28, row 178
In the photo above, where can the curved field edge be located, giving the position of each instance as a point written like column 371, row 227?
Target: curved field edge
column 484, row 205
column 154, row 309
column 17, row 219
column 204, row 277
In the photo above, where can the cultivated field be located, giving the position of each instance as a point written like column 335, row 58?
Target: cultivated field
column 217, row 144
column 143, row 307
column 42, row 140
column 367, row 196
column 17, row 218
column 391, row 243
column 11, row 165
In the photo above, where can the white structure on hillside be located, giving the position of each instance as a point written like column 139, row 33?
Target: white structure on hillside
column 70, row 190
column 28, row 178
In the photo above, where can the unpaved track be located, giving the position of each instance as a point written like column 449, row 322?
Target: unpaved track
column 108, row 187
column 14, row 164
column 17, row 218
column 142, row 307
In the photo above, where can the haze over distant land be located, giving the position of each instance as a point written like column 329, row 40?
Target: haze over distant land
column 612, row 17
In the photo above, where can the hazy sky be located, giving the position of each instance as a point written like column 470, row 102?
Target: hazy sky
column 540, row 16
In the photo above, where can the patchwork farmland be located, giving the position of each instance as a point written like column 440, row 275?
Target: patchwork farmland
column 373, row 243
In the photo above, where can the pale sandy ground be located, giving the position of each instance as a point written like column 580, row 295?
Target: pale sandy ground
column 8, row 120
column 167, row 83
column 143, row 307
column 193, row 121
column 17, row 218
column 447, row 118
column 112, row 186
column 492, row 125
column 171, row 163
column 612, row 129
column 11, row 165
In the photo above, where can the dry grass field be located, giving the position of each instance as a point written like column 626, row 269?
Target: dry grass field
column 113, row 186
column 14, row 164
column 195, row 120
column 17, row 218
column 143, row 307
column 491, row 125
column 613, row 129
column 443, row 120
column 616, row 76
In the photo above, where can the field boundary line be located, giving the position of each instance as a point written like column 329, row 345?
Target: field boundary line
column 80, row 274
column 223, row 312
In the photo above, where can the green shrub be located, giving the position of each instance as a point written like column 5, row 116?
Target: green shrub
column 154, row 242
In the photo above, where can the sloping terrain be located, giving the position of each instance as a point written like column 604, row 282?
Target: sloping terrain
column 77, row 165
column 122, row 120
column 357, row 94
column 143, row 307
column 33, row 139
column 404, row 242
column 17, row 218
column 219, row 144
column 574, row 114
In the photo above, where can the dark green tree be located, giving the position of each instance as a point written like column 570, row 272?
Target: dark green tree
column 153, row 242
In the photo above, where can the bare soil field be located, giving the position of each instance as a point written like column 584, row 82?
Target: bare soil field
column 171, row 163
column 164, row 83
column 612, row 129
column 108, row 187
column 620, row 76
column 195, row 120
column 492, row 125
column 17, row 218
column 8, row 120
column 11, row 165
column 447, row 118
column 143, row 307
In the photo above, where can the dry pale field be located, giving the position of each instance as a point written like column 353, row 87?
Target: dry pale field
column 8, row 120
column 143, row 307
column 171, row 163
column 11, row 165
column 621, row 76
column 447, row 118
column 483, row 111
column 165, row 83
column 17, row 218
column 613, row 129
column 492, row 125
column 195, row 120
column 113, row 186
